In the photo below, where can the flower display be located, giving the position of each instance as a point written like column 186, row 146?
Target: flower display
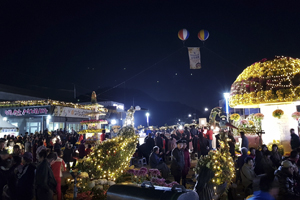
column 277, row 113
column 220, row 162
column 244, row 122
column 110, row 158
column 258, row 116
column 267, row 81
column 251, row 123
column 296, row 115
column 93, row 121
column 235, row 117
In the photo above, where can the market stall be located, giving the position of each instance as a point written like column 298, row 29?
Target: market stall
column 7, row 128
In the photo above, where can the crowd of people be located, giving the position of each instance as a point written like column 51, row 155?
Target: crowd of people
column 174, row 147
column 31, row 166
column 266, row 166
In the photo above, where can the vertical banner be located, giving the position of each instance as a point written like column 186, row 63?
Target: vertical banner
column 194, row 56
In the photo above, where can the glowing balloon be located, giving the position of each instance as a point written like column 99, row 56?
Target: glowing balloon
column 183, row 34
column 203, row 35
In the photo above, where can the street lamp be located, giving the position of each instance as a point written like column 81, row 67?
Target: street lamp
column 179, row 120
column 226, row 96
column 147, row 115
column 205, row 109
column 190, row 115
column 113, row 121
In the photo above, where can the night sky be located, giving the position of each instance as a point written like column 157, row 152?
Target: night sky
column 134, row 44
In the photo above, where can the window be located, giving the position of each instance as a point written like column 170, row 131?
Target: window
column 32, row 127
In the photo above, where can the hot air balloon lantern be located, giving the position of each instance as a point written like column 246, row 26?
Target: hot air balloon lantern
column 203, row 35
column 183, row 34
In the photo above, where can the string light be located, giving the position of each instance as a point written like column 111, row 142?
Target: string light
column 267, row 81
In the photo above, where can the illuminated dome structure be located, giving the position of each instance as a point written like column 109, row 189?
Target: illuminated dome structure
column 270, row 85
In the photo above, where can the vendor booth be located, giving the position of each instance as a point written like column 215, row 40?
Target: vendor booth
column 7, row 128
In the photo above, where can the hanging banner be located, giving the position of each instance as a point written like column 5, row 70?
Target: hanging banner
column 194, row 56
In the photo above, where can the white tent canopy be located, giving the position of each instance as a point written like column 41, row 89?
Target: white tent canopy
column 5, row 125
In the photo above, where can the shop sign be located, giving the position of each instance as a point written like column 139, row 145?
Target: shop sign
column 8, row 130
column 26, row 111
column 61, row 111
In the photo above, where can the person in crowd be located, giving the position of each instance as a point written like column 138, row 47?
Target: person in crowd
column 177, row 133
column 187, row 163
column 58, row 167
column 16, row 151
column 166, row 143
column 44, row 179
column 267, row 163
column 102, row 136
column 27, row 145
column 81, row 149
column 286, row 181
column 172, row 143
column 275, row 156
column 159, row 141
column 245, row 142
column 264, row 148
column 25, row 183
column 209, row 136
column 294, row 157
column 150, row 143
column 231, row 143
column 295, row 141
column 252, row 153
column 156, row 162
column 3, row 151
column 68, row 155
column 187, row 134
column 248, row 175
column 203, row 145
column 39, row 149
column 177, row 164
column 268, row 189
column 240, row 163
column 88, row 150
column 241, row 159
column 5, row 163
column 193, row 131
column 14, row 167
column 57, row 144
column 195, row 146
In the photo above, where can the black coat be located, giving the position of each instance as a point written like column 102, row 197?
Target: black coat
column 67, row 157
column 245, row 142
column 177, row 164
column 159, row 142
column 25, row 183
column 295, row 142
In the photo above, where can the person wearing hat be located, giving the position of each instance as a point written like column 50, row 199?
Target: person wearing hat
column 286, row 181
column 25, row 183
column 177, row 164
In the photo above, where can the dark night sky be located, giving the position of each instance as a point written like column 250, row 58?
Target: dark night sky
column 105, row 43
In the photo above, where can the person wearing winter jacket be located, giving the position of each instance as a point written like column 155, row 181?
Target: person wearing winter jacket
column 295, row 141
column 25, row 183
column 177, row 164
column 57, row 166
column 287, row 181
column 187, row 164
